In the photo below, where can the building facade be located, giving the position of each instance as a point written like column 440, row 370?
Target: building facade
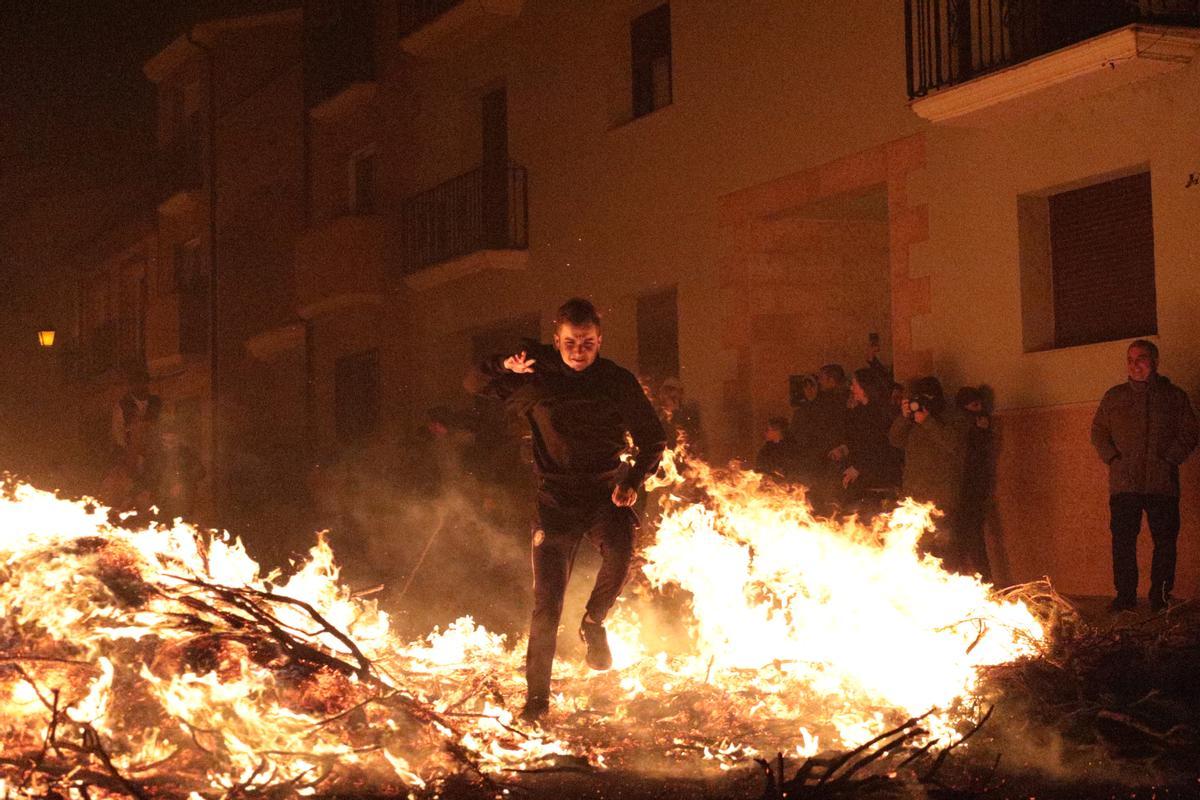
column 747, row 191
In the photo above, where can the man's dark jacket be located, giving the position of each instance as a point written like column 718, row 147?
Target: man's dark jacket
column 1144, row 431
column 578, row 419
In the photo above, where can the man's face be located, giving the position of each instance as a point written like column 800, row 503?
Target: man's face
column 826, row 382
column 1140, row 363
column 579, row 345
column 774, row 435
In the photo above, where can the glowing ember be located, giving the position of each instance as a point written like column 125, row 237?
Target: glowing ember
column 165, row 657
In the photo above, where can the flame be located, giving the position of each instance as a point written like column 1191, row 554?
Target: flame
column 170, row 654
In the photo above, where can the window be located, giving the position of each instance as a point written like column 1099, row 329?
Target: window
column 658, row 335
column 650, row 45
column 362, row 182
column 356, row 395
column 191, row 283
column 502, row 436
column 189, row 272
column 1087, row 264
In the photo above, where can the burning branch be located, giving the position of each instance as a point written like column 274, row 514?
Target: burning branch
column 834, row 777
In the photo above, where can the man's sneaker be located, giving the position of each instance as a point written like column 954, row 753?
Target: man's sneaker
column 596, row 639
column 535, row 708
column 1120, row 603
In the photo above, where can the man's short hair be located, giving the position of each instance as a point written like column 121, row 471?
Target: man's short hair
column 778, row 424
column 1147, row 345
column 834, row 372
column 578, row 312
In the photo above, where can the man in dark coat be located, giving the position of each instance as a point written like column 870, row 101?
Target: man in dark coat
column 580, row 408
column 777, row 456
column 828, row 430
column 977, row 481
column 1143, row 430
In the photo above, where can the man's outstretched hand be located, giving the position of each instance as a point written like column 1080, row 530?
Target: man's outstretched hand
column 520, row 363
column 624, row 496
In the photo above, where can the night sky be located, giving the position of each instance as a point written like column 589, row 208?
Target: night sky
column 76, row 113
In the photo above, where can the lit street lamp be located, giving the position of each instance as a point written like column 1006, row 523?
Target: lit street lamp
column 46, row 337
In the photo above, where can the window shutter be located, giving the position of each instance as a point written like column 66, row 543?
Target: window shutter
column 1102, row 257
column 650, row 45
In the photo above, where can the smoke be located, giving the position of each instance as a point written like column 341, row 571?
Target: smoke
column 431, row 553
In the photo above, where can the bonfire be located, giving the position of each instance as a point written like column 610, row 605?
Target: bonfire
column 141, row 660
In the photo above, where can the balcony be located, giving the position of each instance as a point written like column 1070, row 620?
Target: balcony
column 440, row 28
column 477, row 221
column 339, row 265
column 970, row 61
column 180, row 173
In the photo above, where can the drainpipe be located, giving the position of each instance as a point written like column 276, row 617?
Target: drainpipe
column 213, row 340
column 308, row 51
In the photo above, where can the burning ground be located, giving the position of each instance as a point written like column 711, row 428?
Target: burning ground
column 165, row 662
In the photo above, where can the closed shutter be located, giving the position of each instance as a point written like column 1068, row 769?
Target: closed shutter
column 1102, row 257
column 650, row 44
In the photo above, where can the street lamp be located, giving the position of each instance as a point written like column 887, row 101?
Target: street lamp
column 46, row 336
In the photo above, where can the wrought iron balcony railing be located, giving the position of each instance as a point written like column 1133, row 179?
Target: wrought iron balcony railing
column 484, row 209
column 951, row 41
column 416, row 14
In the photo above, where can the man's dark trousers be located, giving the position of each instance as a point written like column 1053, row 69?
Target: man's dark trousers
column 1162, row 514
column 557, row 534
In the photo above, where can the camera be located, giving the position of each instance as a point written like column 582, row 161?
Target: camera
column 920, row 401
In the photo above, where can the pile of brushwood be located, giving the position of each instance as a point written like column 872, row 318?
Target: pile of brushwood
column 1112, row 710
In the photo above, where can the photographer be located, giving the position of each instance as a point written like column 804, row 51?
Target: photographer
column 934, row 443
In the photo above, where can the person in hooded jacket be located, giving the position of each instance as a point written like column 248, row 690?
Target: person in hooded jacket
column 934, row 441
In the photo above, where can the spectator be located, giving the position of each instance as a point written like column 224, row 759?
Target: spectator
column 802, row 431
column 135, row 413
column 827, row 432
column 1143, row 430
column 679, row 416
column 883, row 371
column 871, row 466
column 447, row 449
column 934, row 445
column 174, row 473
column 977, row 480
column 777, row 457
column 126, row 483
